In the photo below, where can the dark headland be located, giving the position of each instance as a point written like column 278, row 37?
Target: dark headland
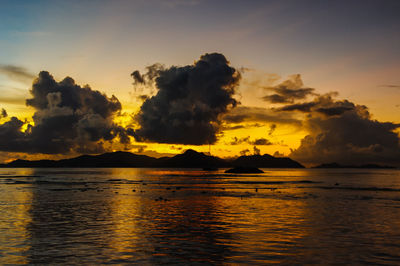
column 188, row 159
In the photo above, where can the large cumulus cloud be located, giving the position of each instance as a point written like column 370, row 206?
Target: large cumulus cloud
column 189, row 102
column 68, row 118
column 344, row 132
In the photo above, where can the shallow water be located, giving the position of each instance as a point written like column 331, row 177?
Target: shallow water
column 175, row 216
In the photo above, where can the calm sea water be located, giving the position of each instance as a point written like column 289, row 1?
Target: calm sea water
column 190, row 217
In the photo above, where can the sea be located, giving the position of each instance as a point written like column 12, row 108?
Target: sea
column 195, row 217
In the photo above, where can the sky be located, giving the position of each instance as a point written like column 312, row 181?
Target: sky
column 317, row 81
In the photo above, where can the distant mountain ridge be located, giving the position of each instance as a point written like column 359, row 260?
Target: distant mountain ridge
column 188, row 159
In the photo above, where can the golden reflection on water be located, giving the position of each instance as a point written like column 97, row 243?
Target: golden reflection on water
column 161, row 216
column 14, row 219
column 148, row 216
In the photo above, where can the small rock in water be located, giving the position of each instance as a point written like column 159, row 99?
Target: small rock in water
column 244, row 170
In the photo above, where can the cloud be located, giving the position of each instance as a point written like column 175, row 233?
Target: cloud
column 278, row 154
column 323, row 104
column 234, row 127
column 149, row 77
column 258, row 114
column 288, row 91
column 390, row 86
column 227, row 127
column 68, row 118
column 16, row 73
column 261, row 141
column 349, row 138
column 244, row 152
column 271, row 129
column 339, row 130
column 189, row 102
column 247, row 140
column 256, row 150
column 3, row 113
column 137, row 77
column 11, row 137
column 343, row 132
column 12, row 100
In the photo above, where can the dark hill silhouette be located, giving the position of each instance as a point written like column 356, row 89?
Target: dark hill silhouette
column 193, row 159
column 266, row 161
column 114, row 159
column 31, row 164
column 188, row 159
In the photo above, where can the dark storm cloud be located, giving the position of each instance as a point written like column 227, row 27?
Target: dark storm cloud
column 289, row 91
column 189, row 101
column 343, row 132
column 247, row 140
column 323, row 104
column 257, row 114
column 16, row 73
column 339, row 130
column 3, row 113
column 68, row 118
column 351, row 138
column 11, row 136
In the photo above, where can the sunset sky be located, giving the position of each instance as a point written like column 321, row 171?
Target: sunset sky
column 318, row 81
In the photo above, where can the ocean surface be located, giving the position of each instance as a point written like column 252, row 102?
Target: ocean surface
column 192, row 217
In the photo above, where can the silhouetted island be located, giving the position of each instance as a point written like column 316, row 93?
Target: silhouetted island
column 266, row 161
column 210, row 168
column 365, row 166
column 188, row 159
column 244, row 170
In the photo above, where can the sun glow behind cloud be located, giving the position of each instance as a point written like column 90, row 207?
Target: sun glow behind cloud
column 101, row 44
